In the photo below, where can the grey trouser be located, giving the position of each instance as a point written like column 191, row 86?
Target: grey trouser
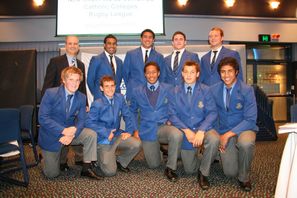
column 126, row 150
column 190, row 159
column 87, row 138
column 166, row 135
column 237, row 159
column 78, row 151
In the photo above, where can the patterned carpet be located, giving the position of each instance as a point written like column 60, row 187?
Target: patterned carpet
column 143, row 182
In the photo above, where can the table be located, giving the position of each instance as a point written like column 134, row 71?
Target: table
column 287, row 177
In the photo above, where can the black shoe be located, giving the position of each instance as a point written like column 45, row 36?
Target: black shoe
column 121, row 168
column 64, row 167
column 246, row 186
column 216, row 161
column 203, row 181
column 91, row 174
column 79, row 163
column 170, row 174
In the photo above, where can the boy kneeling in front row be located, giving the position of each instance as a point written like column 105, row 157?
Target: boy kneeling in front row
column 104, row 119
column 236, row 128
column 62, row 116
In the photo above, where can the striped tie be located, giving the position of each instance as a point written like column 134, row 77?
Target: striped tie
column 73, row 62
column 112, row 65
column 175, row 63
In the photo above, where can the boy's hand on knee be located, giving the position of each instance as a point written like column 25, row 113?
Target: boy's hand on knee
column 198, row 140
column 125, row 136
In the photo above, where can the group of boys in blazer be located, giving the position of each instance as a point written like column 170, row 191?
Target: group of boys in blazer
column 176, row 100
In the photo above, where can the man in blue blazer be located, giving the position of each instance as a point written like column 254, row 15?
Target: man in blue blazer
column 151, row 100
column 175, row 61
column 193, row 111
column 53, row 79
column 135, row 60
column 106, row 63
column 236, row 125
column 61, row 116
column 104, row 119
column 210, row 61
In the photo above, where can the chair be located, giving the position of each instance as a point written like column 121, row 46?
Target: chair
column 293, row 113
column 10, row 131
column 26, row 129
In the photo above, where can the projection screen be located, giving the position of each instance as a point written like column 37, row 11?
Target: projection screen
column 101, row 17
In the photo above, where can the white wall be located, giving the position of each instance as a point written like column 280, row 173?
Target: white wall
column 37, row 28
column 235, row 29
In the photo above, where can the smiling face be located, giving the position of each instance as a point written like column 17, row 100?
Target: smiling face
column 108, row 88
column 190, row 74
column 72, row 45
column 151, row 74
column 179, row 42
column 147, row 40
column 110, row 46
column 71, row 83
column 215, row 39
column 228, row 75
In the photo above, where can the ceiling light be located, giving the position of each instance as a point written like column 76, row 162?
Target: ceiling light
column 274, row 4
column 182, row 2
column 38, row 2
column 229, row 3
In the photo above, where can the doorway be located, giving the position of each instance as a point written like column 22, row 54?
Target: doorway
column 269, row 66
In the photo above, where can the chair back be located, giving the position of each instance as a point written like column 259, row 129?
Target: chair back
column 27, row 135
column 9, row 125
column 10, row 131
column 26, row 117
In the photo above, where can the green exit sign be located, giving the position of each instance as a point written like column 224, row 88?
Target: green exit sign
column 264, row 37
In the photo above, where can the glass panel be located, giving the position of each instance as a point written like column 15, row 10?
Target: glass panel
column 266, row 52
column 279, row 108
column 272, row 78
column 249, row 74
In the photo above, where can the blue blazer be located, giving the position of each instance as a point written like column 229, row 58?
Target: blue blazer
column 133, row 73
column 52, row 117
column 242, row 114
column 211, row 77
column 200, row 114
column 100, row 66
column 103, row 118
column 150, row 117
column 176, row 78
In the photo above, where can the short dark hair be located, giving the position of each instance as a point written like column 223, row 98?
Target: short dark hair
column 179, row 32
column 192, row 63
column 151, row 64
column 110, row 36
column 228, row 61
column 148, row 30
column 106, row 78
